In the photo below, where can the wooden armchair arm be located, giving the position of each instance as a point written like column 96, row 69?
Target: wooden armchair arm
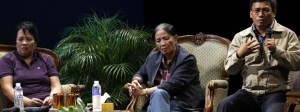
column 72, row 88
column 77, row 88
column 292, row 100
column 212, row 86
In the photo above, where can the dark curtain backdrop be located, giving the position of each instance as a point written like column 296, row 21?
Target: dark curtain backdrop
column 221, row 17
column 52, row 16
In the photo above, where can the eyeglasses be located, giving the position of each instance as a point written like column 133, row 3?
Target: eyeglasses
column 265, row 11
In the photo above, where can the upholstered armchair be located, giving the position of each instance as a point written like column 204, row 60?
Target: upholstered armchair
column 67, row 88
column 210, row 51
column 292, row 103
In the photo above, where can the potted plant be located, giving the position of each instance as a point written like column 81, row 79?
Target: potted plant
column 104, row 49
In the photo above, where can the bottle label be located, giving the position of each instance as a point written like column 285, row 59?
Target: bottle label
column 95, row 91
column 19, row 95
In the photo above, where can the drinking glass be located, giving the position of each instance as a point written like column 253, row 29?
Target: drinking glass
column 58, row 100
column 71, row 100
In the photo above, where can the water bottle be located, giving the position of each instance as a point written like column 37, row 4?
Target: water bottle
column 18, row 97
column 96, row 93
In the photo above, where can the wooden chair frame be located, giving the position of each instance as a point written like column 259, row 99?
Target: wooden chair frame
column 55, row 57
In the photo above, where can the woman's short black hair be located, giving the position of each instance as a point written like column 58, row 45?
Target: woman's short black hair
column 30, row 27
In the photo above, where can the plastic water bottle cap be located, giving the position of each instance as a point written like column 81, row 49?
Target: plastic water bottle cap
column 96, row 82
column 18, row 84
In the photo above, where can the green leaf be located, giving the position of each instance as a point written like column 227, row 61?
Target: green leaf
column 80, row 105
column 72, row 109
column 64, row 109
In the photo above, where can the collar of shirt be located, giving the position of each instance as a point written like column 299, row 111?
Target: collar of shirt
column 34, row 57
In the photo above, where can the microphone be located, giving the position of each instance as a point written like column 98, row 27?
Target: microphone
column 268, row 35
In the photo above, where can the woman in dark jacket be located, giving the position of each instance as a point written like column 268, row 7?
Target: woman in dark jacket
column 173, row 73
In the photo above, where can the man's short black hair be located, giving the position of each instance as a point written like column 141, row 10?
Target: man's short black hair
column 273, row 3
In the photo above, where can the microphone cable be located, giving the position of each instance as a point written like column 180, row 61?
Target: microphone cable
column 269, row 71
column 269, row 57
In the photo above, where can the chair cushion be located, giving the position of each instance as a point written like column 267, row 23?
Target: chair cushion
column 207, row 56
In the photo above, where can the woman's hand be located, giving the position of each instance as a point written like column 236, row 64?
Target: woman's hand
column 36, row 102
column 47, row 101
column 135, row 85
column 135, row 88
column 139, row 91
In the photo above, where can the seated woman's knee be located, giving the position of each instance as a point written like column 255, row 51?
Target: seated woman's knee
column 160, row 92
